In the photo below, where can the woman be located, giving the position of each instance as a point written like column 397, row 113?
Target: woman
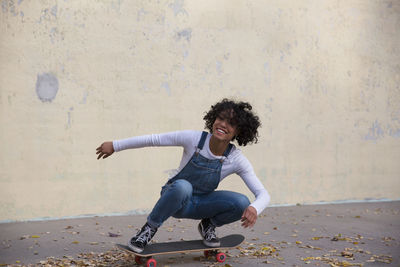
column 207, row 159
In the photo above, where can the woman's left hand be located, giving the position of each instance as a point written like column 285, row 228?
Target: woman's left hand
column 249, row 217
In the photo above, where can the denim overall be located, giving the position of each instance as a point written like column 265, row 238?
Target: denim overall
column 204, row 174
column 191, row 193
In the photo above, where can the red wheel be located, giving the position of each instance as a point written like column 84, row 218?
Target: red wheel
column 206, row 253
column 221, row 257
column 138, row 260
column 151, row 263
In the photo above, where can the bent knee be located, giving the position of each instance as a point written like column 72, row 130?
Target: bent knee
column 182, row 187
column 242, row 202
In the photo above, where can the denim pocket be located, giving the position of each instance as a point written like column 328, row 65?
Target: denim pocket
column 203, row 167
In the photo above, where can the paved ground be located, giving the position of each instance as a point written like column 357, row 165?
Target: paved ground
column 357, row 234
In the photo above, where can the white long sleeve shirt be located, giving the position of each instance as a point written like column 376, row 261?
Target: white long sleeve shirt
column 236, row 162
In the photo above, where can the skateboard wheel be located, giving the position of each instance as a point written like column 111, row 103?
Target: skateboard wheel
column 221, row 257
column 151, row 263
column 138, row 260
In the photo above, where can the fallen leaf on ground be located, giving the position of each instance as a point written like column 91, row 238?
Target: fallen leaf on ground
column 316, row 238
column 347, row 254
column 113, row 235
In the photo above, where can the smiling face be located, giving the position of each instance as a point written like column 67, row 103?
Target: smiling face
column 223, row 129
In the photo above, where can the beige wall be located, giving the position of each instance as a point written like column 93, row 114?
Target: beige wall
column 323, row 76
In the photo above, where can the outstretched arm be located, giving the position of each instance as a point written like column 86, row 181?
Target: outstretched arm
column 187, row 139
column 105, row 150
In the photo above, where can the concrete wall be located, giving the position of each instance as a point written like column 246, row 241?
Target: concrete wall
column 323, row 76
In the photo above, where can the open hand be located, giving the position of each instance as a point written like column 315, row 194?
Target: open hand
column 105, row 150
column 249, row 217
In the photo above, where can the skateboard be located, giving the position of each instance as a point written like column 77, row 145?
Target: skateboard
column 154, row 249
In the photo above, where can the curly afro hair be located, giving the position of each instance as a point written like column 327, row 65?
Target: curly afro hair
column 238, row 114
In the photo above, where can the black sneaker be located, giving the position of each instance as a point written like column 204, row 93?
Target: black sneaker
column 140, row 240
column 207, row 231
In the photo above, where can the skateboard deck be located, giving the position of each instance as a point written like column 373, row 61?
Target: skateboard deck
column 150, row 250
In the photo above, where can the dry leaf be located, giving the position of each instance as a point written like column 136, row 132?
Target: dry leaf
column 113, row 235
column 347, row 254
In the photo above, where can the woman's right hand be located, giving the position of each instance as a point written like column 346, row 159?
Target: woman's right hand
column 105, row 150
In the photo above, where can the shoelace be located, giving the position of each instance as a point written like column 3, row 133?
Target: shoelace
column 210, row 233
column 145, row 236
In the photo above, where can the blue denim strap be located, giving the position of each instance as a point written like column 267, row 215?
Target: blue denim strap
column 228, row 150
column 202, row 140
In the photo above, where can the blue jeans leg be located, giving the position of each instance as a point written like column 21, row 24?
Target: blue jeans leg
column 222, row 207
column 174, row 196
